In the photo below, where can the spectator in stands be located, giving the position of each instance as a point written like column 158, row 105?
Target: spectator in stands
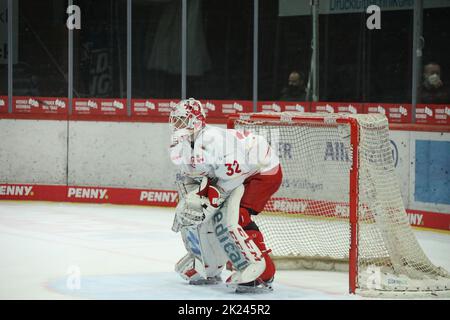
column 295, row 91
column 432, row 89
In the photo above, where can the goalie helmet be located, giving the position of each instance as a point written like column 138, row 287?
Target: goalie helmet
column 187, row 115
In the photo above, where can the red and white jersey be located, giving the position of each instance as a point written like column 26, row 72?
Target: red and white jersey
column 229, row 155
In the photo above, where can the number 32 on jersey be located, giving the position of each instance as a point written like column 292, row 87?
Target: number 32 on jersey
column 232, row 168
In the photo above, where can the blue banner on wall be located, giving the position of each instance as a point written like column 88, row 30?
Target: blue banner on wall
column 432, row 172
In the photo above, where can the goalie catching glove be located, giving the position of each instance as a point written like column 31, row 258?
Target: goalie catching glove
column 189, row 210
column 199, row 204
column 191, row 217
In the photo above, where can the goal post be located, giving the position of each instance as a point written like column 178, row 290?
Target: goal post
column 340, row 206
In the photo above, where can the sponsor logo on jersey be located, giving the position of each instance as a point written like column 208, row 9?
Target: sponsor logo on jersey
column 160, row 196
column 87, row 193
column 16, row 191
column 192, row 162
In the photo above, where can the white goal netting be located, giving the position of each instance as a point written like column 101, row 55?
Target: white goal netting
column 306, row 224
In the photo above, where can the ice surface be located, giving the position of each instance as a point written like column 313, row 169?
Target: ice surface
column 129, row 252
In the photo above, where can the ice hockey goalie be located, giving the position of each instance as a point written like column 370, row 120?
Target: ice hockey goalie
column 227, row 176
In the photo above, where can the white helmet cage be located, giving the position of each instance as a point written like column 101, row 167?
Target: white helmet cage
column 188, row 115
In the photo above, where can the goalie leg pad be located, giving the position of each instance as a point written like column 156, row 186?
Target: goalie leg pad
column 185, row 267
column 256, row 262
column 255, row 234
column 213, row 257
column 258, row 239
column 269, row 272
column 206, row 260
column 240, row 249
column 263, row 283
column 193, row 270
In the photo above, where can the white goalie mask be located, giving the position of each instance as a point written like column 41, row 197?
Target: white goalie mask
column 187, row 117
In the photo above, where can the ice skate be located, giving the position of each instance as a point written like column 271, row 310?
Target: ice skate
column 255, row 287
column 205, row 282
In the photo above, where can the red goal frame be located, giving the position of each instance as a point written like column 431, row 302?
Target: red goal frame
column 353, row 179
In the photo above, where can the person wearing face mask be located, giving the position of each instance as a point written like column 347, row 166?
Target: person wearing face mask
column 433, row 90
column 295, row 91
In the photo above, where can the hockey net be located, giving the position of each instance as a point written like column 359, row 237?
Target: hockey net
column 339, row 206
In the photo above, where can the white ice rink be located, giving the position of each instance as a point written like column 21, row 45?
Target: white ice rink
column 128, row 252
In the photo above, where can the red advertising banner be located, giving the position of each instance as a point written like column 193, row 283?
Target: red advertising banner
column 335, row 107
column 40, row 105
column 63, row 193
column 157, row 110
column 121, row 196
column 3, row 104
column 426, row 219
column 433, row 114
column 398, row 113
column 169, row 198
column 280, row 106
column 99, row 106
column 151, row 107
column 222, row 108
column 213, row 108
column 32, row 192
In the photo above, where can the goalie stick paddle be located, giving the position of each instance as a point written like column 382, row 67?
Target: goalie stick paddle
column 176, row 226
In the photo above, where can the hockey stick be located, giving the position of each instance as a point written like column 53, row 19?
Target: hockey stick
column 176, row 226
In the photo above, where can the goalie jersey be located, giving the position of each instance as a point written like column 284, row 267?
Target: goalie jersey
column 229, row 155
